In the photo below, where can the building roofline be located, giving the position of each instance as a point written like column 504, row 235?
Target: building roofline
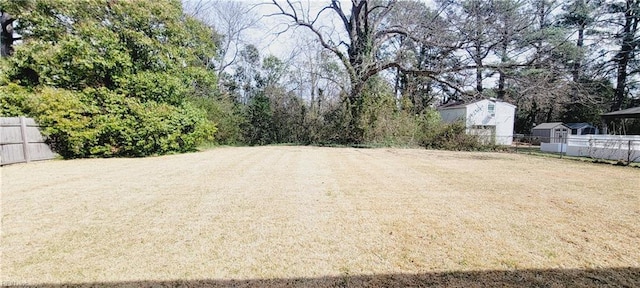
column 626, row 113
column 458, row 105
column 550, row 125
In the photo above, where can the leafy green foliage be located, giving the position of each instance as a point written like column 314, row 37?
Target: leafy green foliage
column 75, row 62
column 259, row 126
column 450, row 136
column 98, row 122
column 227, row 115
column 156, row 86
column 14, row 100
column 111, row 78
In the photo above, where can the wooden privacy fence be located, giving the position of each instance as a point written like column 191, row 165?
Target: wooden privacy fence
column 21, row 141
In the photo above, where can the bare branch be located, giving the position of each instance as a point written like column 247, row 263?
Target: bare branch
column 293, row 15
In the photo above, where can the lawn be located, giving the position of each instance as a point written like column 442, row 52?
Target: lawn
column 309, row 216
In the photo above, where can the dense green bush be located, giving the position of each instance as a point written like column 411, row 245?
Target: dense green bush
column 14, row 100
column 384, row 123
column 259, row 128
column 449, row 136
column 155, row 86
column 111, row 80
column 98, row 122
column 226, row 114
column 91, row 58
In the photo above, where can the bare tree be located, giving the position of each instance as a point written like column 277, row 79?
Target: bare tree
column 475, row 22
column 432, row 46
column 232, row 19
column 357, row 53
column 511, row 25
column 198, row 8
column 366, row 32
column 361, row 41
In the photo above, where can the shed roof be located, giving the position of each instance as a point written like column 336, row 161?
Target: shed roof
column 549, row 125
column 578, row 125
column 453, row 105
column 626, row 113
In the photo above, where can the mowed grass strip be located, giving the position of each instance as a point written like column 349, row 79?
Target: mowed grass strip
column 261, row 213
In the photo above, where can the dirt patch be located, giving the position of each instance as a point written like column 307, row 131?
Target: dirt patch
column 308, row 213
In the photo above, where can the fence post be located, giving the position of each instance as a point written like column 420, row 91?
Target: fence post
column 629, row 153
column 25, row 140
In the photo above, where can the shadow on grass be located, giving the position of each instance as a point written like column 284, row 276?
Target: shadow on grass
column 606, row 277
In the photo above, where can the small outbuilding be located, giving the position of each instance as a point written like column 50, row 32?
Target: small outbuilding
column 582, row 128
column 631, row 113
column 490, row 119
column 553, row 132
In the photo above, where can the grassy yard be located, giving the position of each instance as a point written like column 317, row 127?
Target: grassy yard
column 309, row 216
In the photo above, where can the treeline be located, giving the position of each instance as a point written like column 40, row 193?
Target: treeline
column 136, row 78
column 304, row 103
column 564, row 61
column 376, row 74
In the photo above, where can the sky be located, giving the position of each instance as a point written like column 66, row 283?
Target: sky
column 275, row 34
column 288, row 41
column 271, row 35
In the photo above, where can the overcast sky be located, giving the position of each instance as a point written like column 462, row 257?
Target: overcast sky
column 272, row 36
column 280, row 45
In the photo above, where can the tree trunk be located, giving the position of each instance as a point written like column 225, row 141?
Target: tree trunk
column 621, row 81
column 542, row 20
column 578, row 62
column 314, row 88
column 502, row 77
column 6, row 36
column 549, row 117
column 625, row 54
column 504, row 58
column 478, row 62
column 396, row 86
column 501, row 85
column 355, row 133
column 478, row 42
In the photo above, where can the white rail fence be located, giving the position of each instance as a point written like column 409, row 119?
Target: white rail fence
column 21, row 141
column 613, row 147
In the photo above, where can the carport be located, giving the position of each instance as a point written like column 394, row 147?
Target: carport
column 631, row 113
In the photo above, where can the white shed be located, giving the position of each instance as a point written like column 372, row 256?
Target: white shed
column 552, row 132
column 492, row 120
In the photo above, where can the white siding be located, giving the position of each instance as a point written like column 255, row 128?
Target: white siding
column 479, row 114
column 505, row 118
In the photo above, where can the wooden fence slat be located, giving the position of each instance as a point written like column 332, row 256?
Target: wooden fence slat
column 25, row 140
column 21, row 141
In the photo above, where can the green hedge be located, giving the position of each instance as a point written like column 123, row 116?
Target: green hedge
column 102, row 123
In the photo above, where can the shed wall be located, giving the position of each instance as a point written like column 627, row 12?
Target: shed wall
column 478, row 114
column 505, row 118
column 453, row 115
column 493, row 123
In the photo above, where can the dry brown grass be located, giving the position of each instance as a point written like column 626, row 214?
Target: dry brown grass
column 310, row 216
